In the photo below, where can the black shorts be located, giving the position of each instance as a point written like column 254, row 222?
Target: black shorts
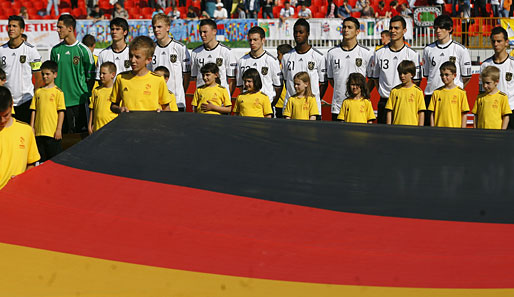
column 48, row 147
column 278, row 112
column 427, row 112
column 75, row 119
column 381, row 111
column 23, row 112
column 334, row 117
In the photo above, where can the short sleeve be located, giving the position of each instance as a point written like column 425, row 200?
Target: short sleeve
column 186, row 61
column 322, row 69
column 92, row 100
column 276, row 73
column 236, row 104
column 288, row 108
column 417, row 62
column 313, row 107
column 239, row 74
column 421, row 101
column 100, row 62
column 164, row 93
column 32, row 102
column 231, row 64
column 433, row 98
column 266, row 106
column 61, row 105
column 374, row 68
column 196, row 98
column 330, row 70
column 505, row 106
column 35, row 60
column 88, row 63
column 33, row 153
column 371, row 113
column 194, row 65
column 465, row 63
column 342, row 114
column 464, row 105
column 474, row 110
column 116, row 91
column 173, row 102
column 226, row 98
column 425, row 62
column 389, row 104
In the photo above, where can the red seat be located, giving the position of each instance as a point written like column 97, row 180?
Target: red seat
column 147, row 16
column 133, row 12
column 168, row 10
column 276, row 10
column 147, row 10
column 356, row 14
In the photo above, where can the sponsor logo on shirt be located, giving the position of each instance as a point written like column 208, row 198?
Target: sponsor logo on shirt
column 22, row 143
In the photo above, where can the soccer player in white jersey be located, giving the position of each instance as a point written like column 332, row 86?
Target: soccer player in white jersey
column 20, row 61
column 386, row 60
column 303, row 57
column 442, row 50
column 344, row 59
column 174, row 56
column 212, row 51
column 503, row 61
column 118, row 51
column 267, row 66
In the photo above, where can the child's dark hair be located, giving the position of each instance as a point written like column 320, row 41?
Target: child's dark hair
column 164, row 70
column 5, row 99
column 50, row 65
column 407, row 66
column 448, row 65
column 211, row 68
column 88, row 40
column 110, row 66
column 253, row 74
column 357, row 79
column 3, row 76
column 386, row 33
column 284, row 48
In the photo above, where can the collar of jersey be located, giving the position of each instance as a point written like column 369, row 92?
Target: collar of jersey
column 389, row 47
column 341, row 46
column 212, row 48
column 250, row 54
column 437, row 44
column 70, row 45
column 171, row 40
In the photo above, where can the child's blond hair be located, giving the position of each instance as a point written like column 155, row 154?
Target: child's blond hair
column 144, row 43
column 304, row 76
column 491, row 72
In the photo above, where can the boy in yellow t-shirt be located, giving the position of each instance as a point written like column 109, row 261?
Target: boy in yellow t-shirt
column 253, row 103
column 211, row 98
column 448, row 104
column 406, row 102
column 47, row 117
column 17, row 142
column 100, row 105
column 140, row 89
column 164, row 72
column 491, row 107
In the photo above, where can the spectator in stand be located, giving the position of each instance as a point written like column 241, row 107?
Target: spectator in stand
column 220, row 13
column 241, row 14
column 382, row 12
column 405, row 11
column 344, row 10
column 97, row 14
column 119, row 12
column 480, row 8
column 49, row 7
column 267, row 9
column 191, row 14
column 286, row 12
column 495, row 4
column 393, row 8
column 359, row 5
column 174, row 14
column 304, row 12
column 465, row 12
column 505, row 8
column 367, row 11
column 23, row 13
column 331, row 10
column 158, row 9
column 210, row 7
column 252, row 8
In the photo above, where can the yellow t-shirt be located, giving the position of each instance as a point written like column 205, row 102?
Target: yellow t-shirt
column 101, row 107
column 356, row 111
column 490, row 108
column 17, row 149
column 253, row 105
column 140, row 93
column 47, row 102
column 406, row 103
column 218, row 95
column 301, row 108
column 280, row 102
column 448, row 106
column 173, row 103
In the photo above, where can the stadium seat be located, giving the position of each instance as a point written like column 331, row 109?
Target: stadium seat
column 319, row 15
column 168, row 10
column 183, row 11
column 197, row 3
column 129, row 4
column 39, row 5
column 352, row 2
column 65, row 10
column 356, row 14
column 143, row 3
column 276, row 10
column 147, row 10
column 133, row 12
column 76, row 12
column 147, row 16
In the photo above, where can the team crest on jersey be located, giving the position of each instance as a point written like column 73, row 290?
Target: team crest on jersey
column 126, row 63
column 219, row 61
column 358, row 62
column 453, row 59
column 508, row 76
column 173, row 58
column 23, row 59
column 310, row 65
column 264, row 70
column 76, row 60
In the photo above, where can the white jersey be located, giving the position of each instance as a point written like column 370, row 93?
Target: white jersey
column 19, row 64
column 435, row 54
column 176, row 58
column 384, row 67
column 506, row 83
column 311, row 62
column 340, row 64
column 120, row 59
column 268, row 68
column 221, row 55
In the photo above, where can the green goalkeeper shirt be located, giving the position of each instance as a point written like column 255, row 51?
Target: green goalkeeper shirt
column 76, row 67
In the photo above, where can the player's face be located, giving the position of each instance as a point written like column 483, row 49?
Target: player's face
column 160, row 30
column 255, row 41
column 117, row 33
column 300, row 86
column 301, row 35
column 488, row 84
column 48, row 76
column 209, row 78
column 14, row 30
column 63, row 31
column 442, row 34
column 138, row 59
column 350, row 30
column 355, row 88
column 499, row 43
column 447, row 76
column 384, row 39
column 161, row 73
column 207, row 33
column 5, row 117
column 2, row 82
column 249, row 84
column 106, row 75
column 406, row 77
column 397, row 30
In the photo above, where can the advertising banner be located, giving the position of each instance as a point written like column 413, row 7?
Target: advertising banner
column 41, row 33
column 508, row 24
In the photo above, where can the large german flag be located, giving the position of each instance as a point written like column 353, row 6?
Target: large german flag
column 174, row 204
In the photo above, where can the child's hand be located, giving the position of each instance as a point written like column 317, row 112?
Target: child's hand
column 89, row 130
column 207, row 106
column 158, row 110
column 58, row 135
column 123, row 109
